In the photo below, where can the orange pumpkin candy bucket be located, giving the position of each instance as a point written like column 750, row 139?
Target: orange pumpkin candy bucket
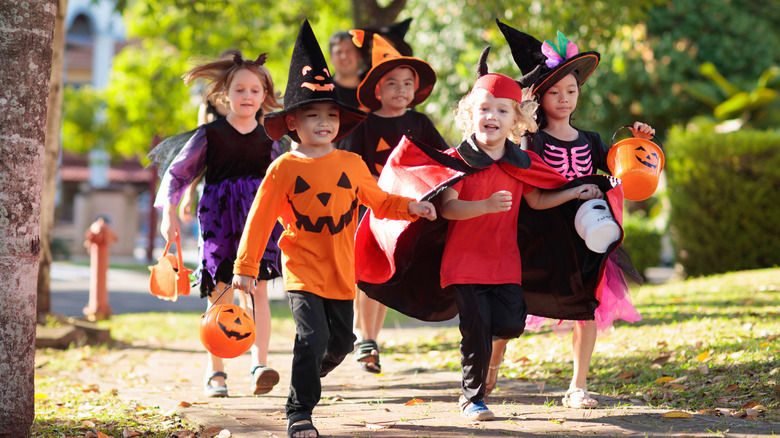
column 227, row 330
column 638, row 163
column 169, row 277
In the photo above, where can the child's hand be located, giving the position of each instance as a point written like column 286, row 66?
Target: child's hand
column 169, row 225
column 499, row 201
column 423, row 209
column 642, row 130
column 244, row 283
column 588, row 191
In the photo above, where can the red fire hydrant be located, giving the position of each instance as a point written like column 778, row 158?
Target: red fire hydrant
column 98, row 237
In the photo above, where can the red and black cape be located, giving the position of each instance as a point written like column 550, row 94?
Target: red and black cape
column 398, row 262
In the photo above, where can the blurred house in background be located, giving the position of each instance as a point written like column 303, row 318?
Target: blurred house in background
column 90, row 185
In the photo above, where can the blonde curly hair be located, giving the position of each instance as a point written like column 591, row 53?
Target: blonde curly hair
column 526, row 114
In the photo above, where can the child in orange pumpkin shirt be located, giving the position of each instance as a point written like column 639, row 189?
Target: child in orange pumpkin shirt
column 315, row 191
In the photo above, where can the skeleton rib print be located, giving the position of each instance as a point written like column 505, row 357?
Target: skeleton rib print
column 571, row 163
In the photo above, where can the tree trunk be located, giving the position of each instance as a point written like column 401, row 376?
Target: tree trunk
column 368, row 13
column 25, row 48
column 50, row 159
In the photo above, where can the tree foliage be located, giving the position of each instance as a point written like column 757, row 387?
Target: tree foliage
column 650, row 50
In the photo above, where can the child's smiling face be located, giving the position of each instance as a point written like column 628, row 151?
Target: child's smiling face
column 396, row 89
column 492, row 118
column 316, row 124
column 246, row 93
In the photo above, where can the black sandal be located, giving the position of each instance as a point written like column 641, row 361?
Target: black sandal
column 367, row 355
column 292, row 429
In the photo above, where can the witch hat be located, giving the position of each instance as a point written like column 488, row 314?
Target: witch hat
column 394, row 33
column 308, row 82
column 544, row 64
column 384, row 58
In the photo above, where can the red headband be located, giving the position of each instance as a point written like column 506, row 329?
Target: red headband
column 500, row 86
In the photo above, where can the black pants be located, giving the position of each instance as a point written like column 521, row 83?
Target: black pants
column 485, row 311
column 323, row 338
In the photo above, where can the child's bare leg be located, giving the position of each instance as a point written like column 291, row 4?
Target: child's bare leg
column 356, row 329
column 262, row 316
column 372, row 316
column 583, row 342
column 216, row 364
column 496, row 357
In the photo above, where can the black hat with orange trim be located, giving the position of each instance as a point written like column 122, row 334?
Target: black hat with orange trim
column 544, row 64
column 308, row 82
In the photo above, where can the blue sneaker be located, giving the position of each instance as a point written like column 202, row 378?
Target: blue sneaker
column 475, row 411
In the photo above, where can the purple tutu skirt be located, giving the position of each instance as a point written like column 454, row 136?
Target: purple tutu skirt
column 222, row 214
column 614, row 303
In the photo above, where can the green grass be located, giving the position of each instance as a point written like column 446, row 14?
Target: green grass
column 717, row 337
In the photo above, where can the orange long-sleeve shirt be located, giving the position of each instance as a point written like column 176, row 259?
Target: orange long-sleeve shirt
column 316, row 200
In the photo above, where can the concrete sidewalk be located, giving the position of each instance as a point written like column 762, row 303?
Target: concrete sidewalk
column 410, row 399
column 407, row 400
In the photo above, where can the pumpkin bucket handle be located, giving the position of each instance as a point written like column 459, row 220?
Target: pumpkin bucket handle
column 612, row 142
column 228, row 286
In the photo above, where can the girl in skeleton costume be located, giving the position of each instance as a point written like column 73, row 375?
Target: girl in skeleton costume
column 234, row 153
column 555, row 74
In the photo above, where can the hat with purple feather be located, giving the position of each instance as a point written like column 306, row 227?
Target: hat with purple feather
column 544, row 64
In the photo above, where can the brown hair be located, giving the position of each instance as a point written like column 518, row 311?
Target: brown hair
column 220, row 74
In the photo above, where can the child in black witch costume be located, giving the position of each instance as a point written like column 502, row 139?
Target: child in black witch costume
column 394, row 84
column 235, row 152
column 555, row 73
column 315, row 190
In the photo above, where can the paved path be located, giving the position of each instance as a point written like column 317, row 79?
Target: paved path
column 354, row 403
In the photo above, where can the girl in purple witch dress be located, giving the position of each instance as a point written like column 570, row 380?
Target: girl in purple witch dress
column 234, row 153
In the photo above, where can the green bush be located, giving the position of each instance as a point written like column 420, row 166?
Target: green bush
column 724, row 198
column 642, row 241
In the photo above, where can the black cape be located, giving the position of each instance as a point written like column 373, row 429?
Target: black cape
column 398, row 262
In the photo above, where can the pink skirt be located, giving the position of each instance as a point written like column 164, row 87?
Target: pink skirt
column 614, row 303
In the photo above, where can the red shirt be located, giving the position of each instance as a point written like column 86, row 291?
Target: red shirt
column 483, row 250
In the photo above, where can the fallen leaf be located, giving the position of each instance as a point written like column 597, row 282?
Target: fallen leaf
column 626, row 375
column 739, row 414
column 754, row 405
column 664, row 379
column 558, row 420
column 185, row 404
column 522, row 360
column 102, row 435
column 660, row 360
column 87, row 423
column 373, row 426
column 677, row 414
column 130, row 432
column 40, row 396
column 224, row 433
column 704, row 369
column 211, row 432
column 678, row 387
column 732, row 387
column 702, row 357
column 751, row 413
column 414, row 401
column 711, row 412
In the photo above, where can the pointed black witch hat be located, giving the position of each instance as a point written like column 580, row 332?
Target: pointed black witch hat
column 308, row 82
column 544, row 64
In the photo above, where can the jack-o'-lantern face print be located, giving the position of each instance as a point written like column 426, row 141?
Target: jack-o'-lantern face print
column 332, row 207
column 235, row 324
column 382, row 154
column 649, row 159
column 316, row 80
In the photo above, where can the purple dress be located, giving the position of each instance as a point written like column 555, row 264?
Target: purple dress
column 235, row 165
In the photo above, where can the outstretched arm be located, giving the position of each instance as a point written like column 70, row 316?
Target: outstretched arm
column 456, row 209
column 544, row 199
